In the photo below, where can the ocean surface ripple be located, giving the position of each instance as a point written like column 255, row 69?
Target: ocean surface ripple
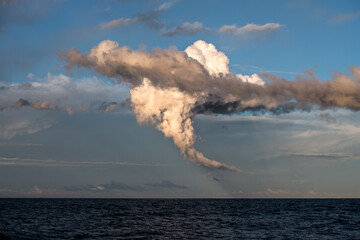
column 179, row 218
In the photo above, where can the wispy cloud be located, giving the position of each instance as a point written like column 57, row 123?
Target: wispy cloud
column 150, row 18
column 345, row 17
column 283, row 193
column 249, row 28
column 24, row 12
column 109, row 189
column 185, row 29
column 119, row 186
column 245, row 67
column 112, row 186
column 17, row 161
column 21, row 144
column 327, row 118
column 339, row 156
column 166, row 184
column 15, row 124
column 117, row 23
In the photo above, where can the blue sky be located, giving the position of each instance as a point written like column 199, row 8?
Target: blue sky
column 77, row 132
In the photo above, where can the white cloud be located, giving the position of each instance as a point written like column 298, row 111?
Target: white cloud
column 214, row 61
column 253, row 79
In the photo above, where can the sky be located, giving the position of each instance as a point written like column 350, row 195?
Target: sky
column 179, row 99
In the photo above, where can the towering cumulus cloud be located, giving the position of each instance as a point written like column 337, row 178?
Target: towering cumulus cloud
column 169, row 87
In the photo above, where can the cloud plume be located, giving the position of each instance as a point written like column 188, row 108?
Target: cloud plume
column 169, row 87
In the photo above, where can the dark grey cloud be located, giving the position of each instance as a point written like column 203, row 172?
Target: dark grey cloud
column 21, row 103
column 327, row 118
column 108, row 106
column 112, row 186
column 116, row 186
column 150, row 18
column 39, row 105
column 121, row 186
column 217, row 179
column 185, row 29
column 165, row 184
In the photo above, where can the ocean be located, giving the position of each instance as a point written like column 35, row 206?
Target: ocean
column 179, row 218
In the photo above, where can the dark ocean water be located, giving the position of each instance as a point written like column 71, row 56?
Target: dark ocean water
column 179, row 219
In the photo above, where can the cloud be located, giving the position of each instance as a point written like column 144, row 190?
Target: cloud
column 150, row 18
column 17, row 161
column 355, row 71
column 119, row 186
column 108, row 106
column 4, row 2
column 60, row 92
column 249, row 28
column 21, row 144
column 327, row 118
column 117, row 23
column 166, row 184
column 268, row 193
column 169, row 87
column 44, row 105
column 214, row 61
column 24, row 12
column 185, row 29
column 28, row 121
column 253, row 79
column 340, row 156
column 39, row 105
column 112, row 186
column 72, row 110
column 281, row 193
column 345, row 17
column 169, row 110
column 21, row 103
